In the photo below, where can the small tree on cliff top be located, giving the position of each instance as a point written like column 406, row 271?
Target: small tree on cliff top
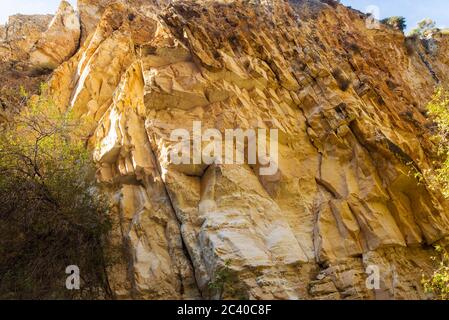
column 396, row 22
column 425, row 28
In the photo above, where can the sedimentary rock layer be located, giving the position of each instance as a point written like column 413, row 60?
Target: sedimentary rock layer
column 349, row 103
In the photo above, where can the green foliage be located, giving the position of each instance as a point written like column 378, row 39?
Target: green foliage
column 438, row 109
column 396, row 22
column 425, row 28
column 222, row 278
column 51, row 212
column 438, row 283
column 225, row 281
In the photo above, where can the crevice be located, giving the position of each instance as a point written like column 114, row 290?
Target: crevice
column 127, row 255
column 328, row 188
column 158, row 169
column 429, row 67
column 173, row 209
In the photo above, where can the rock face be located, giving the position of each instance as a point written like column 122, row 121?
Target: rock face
column 43, row 41
column 19, row 35
column 17, row 39
column 2, row 33
column 60, row 40
column 349, row 103
column 90, row 12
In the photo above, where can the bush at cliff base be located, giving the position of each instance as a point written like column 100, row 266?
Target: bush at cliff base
column 51, row 213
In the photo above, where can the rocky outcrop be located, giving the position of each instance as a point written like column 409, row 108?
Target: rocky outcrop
column 90, row 12
column 40, row 41
column 17, row 39
column 2, row 33
column 60, row 41
column 20, row 34
column 349, row 103
column 30, row 47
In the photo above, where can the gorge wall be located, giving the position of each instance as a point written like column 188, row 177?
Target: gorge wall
column 349, row 103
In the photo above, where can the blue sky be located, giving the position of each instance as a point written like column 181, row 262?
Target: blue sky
column 413, row 10
column 10, row 7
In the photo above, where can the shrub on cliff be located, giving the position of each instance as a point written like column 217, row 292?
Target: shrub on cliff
column 438, row 109
column 225, row 282
column 438, row 283
column 425, row 29
column 51, row 216
column 396, row 22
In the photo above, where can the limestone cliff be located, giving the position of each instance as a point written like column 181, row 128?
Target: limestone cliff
column 349, row 103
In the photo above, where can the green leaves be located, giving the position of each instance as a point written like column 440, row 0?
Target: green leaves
column 425, row 28
column 438, row 283
column 52, row 213
column 396, row 22
column 438, row 109
column 226, row 281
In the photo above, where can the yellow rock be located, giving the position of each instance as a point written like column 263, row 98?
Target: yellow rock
column 347, row 102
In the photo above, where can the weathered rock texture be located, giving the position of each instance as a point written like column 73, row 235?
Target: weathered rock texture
column 20, row 34
column 60, row 40
column 350, row 106
column 40, row 41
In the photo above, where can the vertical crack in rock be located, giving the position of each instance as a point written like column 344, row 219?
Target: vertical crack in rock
column 167, row 194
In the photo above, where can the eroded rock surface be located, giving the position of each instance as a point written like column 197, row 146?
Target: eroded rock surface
column 60, row 41
column 349, row 103
column 20, row 34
